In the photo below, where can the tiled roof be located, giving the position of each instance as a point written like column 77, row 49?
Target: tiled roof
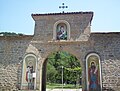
column 65, row 13
column 105, row 32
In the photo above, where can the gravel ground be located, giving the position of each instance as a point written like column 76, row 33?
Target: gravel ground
column 64, row 90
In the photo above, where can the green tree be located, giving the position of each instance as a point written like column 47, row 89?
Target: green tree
column 51, row 72
column 10, row 34
column 72, row 68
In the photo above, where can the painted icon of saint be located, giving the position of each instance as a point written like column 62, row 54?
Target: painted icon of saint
column 62, row 33
column 29, row 77
column 93, row 77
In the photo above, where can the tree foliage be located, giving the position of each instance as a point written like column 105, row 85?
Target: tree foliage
column 71, row 68
column 10, row 34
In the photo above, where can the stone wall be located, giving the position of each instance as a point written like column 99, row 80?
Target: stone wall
column 107, row 45
column 13, row 50
column 44, row 24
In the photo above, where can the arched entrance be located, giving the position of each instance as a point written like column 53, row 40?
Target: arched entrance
column 65, row 71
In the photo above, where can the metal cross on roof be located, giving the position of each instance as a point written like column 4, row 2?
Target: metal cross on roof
column 63, row 6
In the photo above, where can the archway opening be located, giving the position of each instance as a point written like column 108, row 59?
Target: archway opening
column 61, row 70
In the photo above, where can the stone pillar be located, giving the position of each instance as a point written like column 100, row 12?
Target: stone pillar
column 41, row 65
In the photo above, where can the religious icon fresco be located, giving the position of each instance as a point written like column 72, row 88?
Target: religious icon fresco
column 29, row 73
column 93, row 73
column 61, row 32
column 29, row 77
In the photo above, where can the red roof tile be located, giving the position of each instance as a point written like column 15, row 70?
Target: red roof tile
column 65, row 13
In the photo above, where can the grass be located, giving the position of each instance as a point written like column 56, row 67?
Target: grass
column 66, row 86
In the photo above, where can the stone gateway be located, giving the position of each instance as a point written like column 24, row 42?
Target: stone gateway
column 23, row 58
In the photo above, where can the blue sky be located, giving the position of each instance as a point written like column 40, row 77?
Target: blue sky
column 15, row 15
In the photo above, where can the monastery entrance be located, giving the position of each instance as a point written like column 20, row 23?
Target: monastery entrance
column 24, row 59
column 61, row 70
column 89, row 76
column 57, row 34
